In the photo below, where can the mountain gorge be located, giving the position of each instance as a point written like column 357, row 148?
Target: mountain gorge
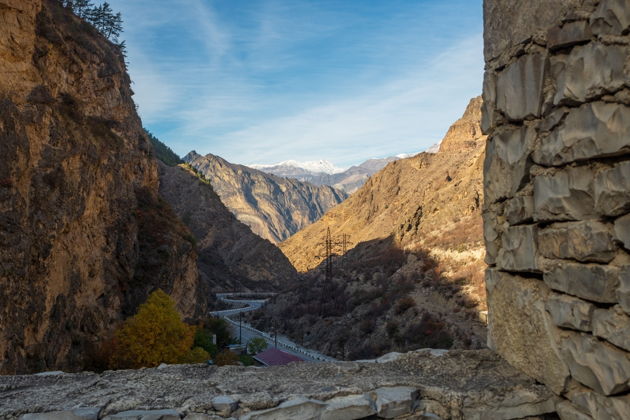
column 273, row 207
column 413, row 271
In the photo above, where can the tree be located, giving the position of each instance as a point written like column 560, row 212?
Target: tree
column 218, row 327
column 256, row 345
column 203, row 339
column 156, row 334
column 225, row 358
column 196, row 355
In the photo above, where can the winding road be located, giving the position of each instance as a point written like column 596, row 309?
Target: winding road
column 247, row 332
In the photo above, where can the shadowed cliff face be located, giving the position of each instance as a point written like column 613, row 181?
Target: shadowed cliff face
column 83, row 235
column 273, row 207
column 231, row 257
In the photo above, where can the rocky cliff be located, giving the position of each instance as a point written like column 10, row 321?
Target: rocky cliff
column 273, row 207
column 84, row 236
column 412, row 273
column 231, row 256
column 556, row 181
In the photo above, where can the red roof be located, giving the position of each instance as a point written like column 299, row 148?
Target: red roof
column 275, row 357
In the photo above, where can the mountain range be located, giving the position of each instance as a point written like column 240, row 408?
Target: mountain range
column 273, row 207
column 324, row 173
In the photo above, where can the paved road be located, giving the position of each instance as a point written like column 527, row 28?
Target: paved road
column 247, row 332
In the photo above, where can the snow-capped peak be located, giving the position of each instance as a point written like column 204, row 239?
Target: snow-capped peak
column 311, row 166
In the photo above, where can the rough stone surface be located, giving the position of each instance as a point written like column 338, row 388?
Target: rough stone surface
column 76, row 414
column 587, row 241
column 570, row 312
column 593, row 282
column 348, row 408
column 224, row 404
column 506, row 165
column 593, row 130
column 567, row 411
column 577, row 169
column 600, row 407
column 448, row 384
column 520, row 87
column 521, row 330
column 622, row 230
column 596, row 364
column 564, row 195
column 518, row 251
column 613, row 325
column 623, row 293
column 392, row 402
column 588, row 72
column 612, row 190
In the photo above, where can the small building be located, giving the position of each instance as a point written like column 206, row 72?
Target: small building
column 275, row 357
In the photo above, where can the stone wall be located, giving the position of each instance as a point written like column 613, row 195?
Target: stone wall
column 557, row 188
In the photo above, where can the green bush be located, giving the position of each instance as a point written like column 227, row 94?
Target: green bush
column 203, row 339
column 256, row 345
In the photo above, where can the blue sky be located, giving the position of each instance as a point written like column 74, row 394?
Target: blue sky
column 262, row 81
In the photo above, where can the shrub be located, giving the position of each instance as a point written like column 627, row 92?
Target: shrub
column 196, row 355
column 156, row 334
column 246, row 359
column 256, row 345
column 226, row 357
column 203, row 339
column 218, row 327
column 404, row 304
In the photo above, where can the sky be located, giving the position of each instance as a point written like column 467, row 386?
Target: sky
column 264, row 81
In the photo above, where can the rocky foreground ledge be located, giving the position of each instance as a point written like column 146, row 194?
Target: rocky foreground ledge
column 425, row 384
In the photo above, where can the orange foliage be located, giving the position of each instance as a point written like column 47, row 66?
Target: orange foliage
column 156, row 334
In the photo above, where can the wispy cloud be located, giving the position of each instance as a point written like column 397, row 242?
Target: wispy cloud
column 260, row 81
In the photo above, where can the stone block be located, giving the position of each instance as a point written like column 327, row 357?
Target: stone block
column 348, row 408
column 488, row 105
column 567, row 411
column 167, row 414
column 506, row 165
column 518, row 249
column 570, row 312
column 521, row 330
column 392, row 402
column 593, row 282
column 75, row 414
column 622, row 230
column 612, row 190
column 520, row 87
column 596, row 364
column 600, row 407
column 297, row 408
column 623, row 293
column 569, row 34
column 224, row 404
column 613, row 325
column 586, row 241
column 589, row 71
column 611, row 17
column 592, row 130
column 519, row 209
column 564, row 195
column 493, row 225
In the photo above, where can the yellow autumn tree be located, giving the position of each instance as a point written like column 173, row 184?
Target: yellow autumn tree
column 156, row 334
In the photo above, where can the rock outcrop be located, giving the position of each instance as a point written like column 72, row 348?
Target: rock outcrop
column 84, row 236
column 421, row 385
column 231, row 256
column 556, row 108
column 273, row 207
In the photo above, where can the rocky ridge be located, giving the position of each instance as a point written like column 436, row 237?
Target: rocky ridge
column 273, row 207
column 421, row 385
column 80, row 214
column 231, row 256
